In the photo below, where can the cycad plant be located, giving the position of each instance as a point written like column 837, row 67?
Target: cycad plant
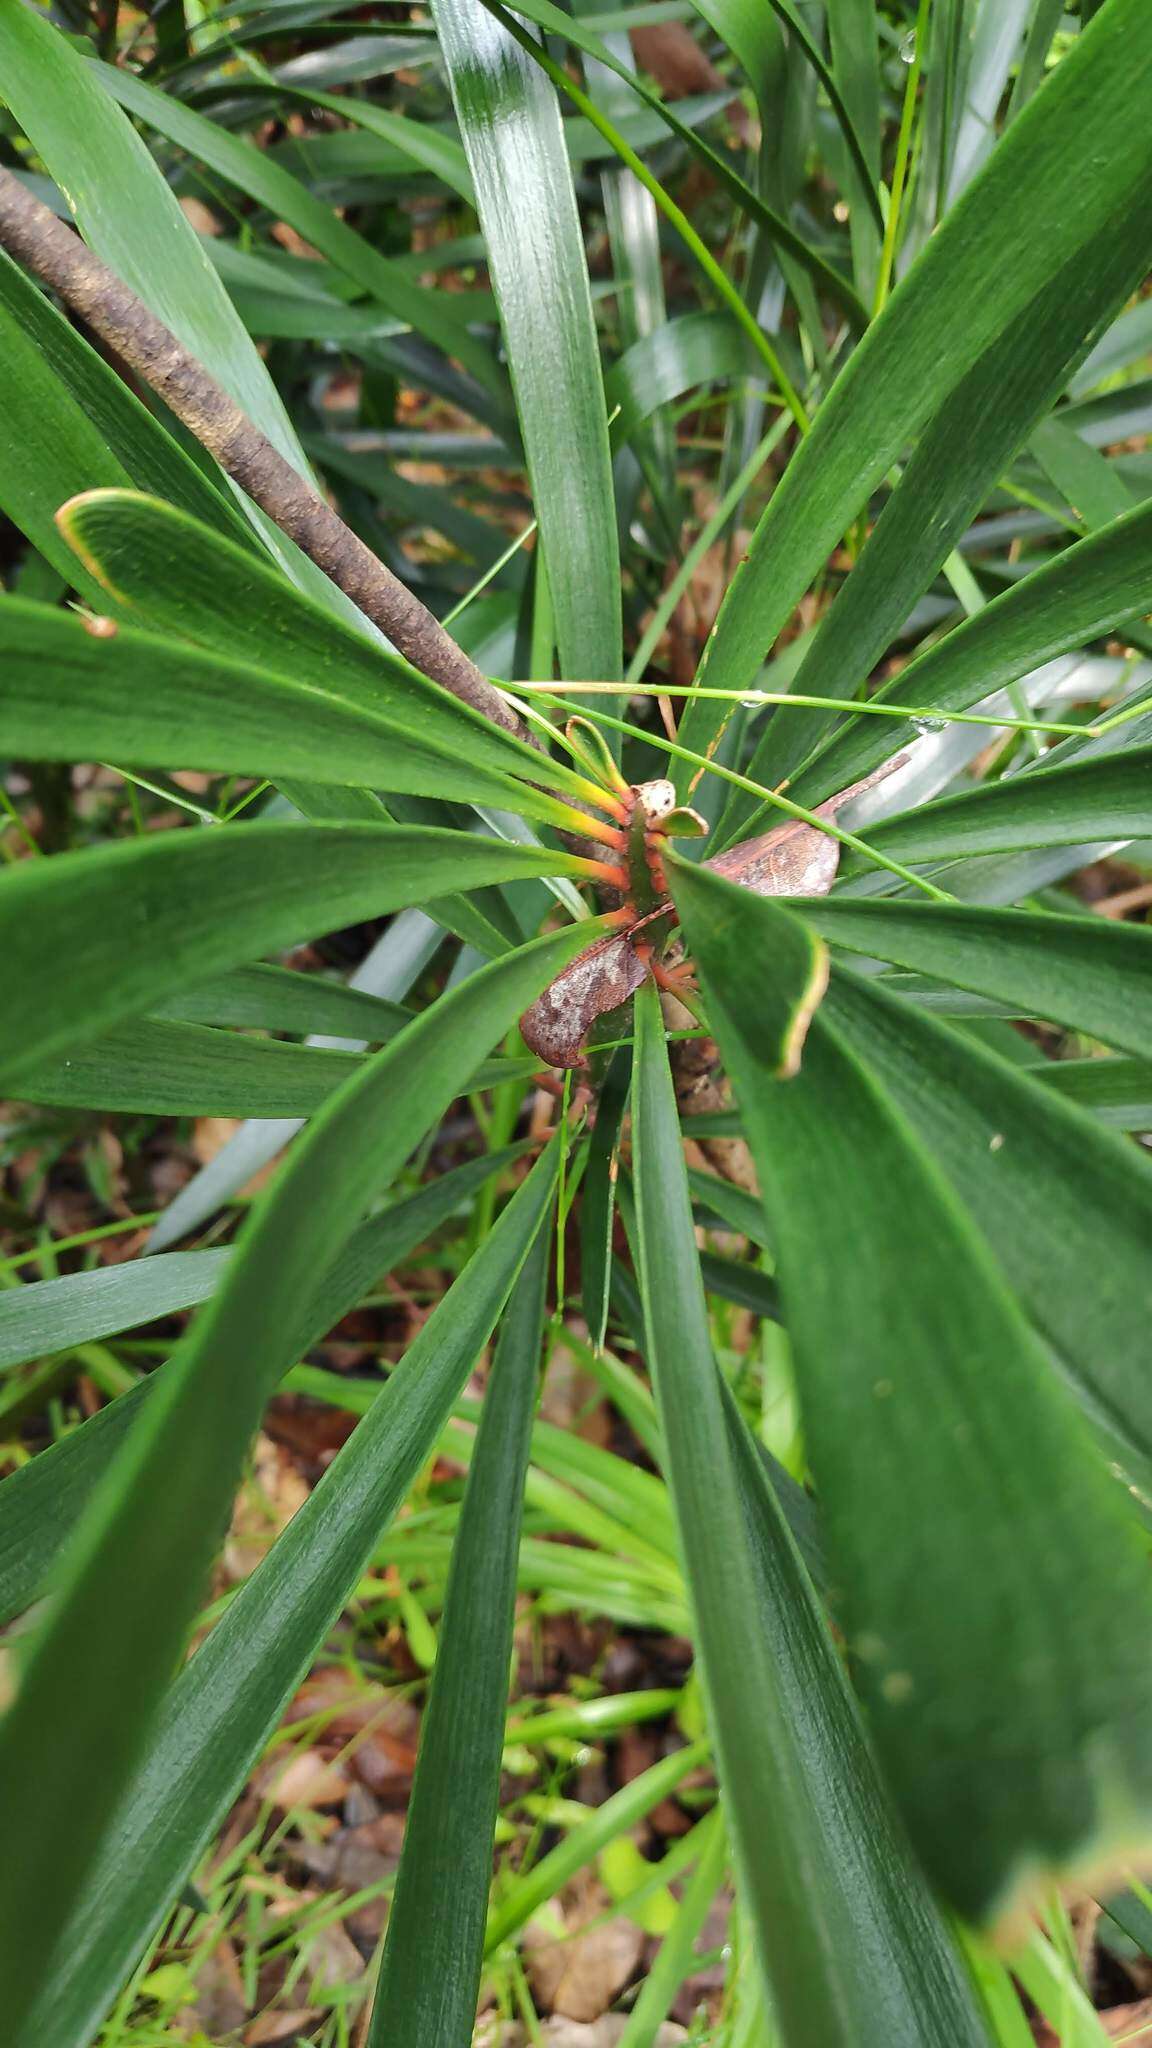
column 893, row 254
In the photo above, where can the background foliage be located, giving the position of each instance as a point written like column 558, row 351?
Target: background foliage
column 770, row 384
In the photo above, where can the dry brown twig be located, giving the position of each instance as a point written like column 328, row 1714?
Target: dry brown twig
column 57, row 256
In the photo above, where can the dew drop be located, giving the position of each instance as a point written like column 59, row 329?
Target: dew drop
column 908, row 47
column 927, row 725
column 751, row 703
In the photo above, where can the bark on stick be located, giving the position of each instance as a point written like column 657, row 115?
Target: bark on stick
column 30, row 232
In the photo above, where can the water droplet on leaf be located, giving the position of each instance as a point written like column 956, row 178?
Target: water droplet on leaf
column 908, row 47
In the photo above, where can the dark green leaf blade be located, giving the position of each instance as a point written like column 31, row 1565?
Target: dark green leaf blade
column 135, row 1571
column 227, row 1701
column 287, row 198
column 213, row 899
column 969, row 443
column 512, row 131
column 48, row 1315
column 154, row 702
column 177, row 575
column 1035, row 205
column 1093, row 974
column 127, row 212
column 430, row 1972
column 598, row 1198
column 68, row 423
column 169, row 1069
column 963, row 1505
column 282, row 999
column 1091, row 588
column 1039, row 1178
column 39, row 1503
column 1071, row 804
column 851, row 1945
column 718, row 164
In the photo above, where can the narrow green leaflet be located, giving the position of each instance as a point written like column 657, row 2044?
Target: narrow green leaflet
column 852, row 26
column 127, row 212
column 40, row 1503
column 963, row 1505
column 227, row 1701
column 1038, row 204
column 430, row 1972
column 1118, row 1091
column 1093, row 488
column 830, row 280
column 598, row 1194
column 514, row 136
column 1070, row 805
column 67, row 424
column 1066, row 1205
column 175, row 574
column 432, row 148
column 1098, row 584
column 1093, row 974
column 430, row 313
column 677, row 1954
column 622, row 1812
column 154, row 702
column 53, row 380
column 967, row 446
column 280, row 999
column 169, row 1069
column 135, row 1571
column 741, row 24
column 695, row 348
column 49, row 1315
column 133, row 921
column 850, row 1943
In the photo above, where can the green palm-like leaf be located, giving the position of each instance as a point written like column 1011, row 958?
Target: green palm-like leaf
column 130, row 1586
column 430, row 1971
column 851, row 1943
column 227, row 1701
column 134, row 921
column 964, row 1506
column 40, row 1507
column 513, row 134
column 1035, row 208
column 1093, row 974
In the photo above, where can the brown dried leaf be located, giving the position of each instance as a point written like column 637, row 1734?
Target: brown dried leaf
column 578, row 1978
column 308, row 1779
column 273, row 2028
column 794, row 859
column 599, row 980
